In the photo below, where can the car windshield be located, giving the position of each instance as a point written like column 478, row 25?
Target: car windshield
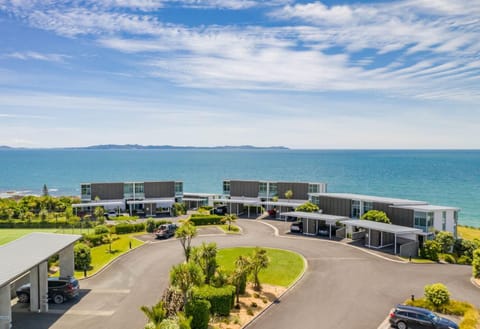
column 433, row 317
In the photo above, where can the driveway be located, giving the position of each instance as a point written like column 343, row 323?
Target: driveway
column 344, row 287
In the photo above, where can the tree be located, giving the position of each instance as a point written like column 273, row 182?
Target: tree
column 239, row 276
column 185, row 233
column 99, row 214
column 45, row 190
column 82, row 257
column 288, row 194
column 376, row 216
column 476, row 263
column 430, row 250
column 446, row 241
column 229, row 218
column 155, row 314
column 206, row 257
column 185, row 276
column 308, row 207
column 259, row 261
column 43, row 214
column 437, row 294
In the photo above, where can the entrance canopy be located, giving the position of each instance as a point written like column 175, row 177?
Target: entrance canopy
column 329, row 219
column 20, row 255
column 284, row 203
column 164, row 202
column 382, row 227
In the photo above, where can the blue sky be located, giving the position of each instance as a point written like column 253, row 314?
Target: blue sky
column 331, row 74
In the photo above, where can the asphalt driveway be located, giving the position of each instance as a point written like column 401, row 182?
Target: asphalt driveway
column 344, row 287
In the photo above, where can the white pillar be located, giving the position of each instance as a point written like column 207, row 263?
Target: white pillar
column 43, row 286
column 66, row 262
column 330, row 231
column 395, row 245
column 34, row 303
column 5, row 308
column 369, row 238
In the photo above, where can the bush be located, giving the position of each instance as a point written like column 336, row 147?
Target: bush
column 376, row 216
column 150, row 226
column 93, row 240
column 221, row 299
column 470, row 319
column 446, row 241
column 179, row 209
column 101, row 229
column 465, row 247
column 464, row 260
column 437, row 294
column 449, row 259
column 125, row 228
column 308, row 207
column 82, row 256
column 199, row 310
column 430, row 250
column 199, row 219
column 476, row 263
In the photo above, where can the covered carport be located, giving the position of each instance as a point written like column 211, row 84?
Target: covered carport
column 242, row 201
column 30, row 254
column 329, row 220
column 107, row 204
column 151, row 205
column 371, row 226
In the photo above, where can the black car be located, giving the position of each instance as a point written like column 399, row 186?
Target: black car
column 221, row 210
column 409, row 317
column 59, row 290
column 165, row 231
column 296, row 227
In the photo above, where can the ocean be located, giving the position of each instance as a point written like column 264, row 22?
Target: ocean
column 443, row 177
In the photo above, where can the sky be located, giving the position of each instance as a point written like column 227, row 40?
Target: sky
column 301, row 74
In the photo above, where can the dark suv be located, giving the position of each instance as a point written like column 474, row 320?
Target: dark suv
column 165, row 231
column 409, row 317
column 59, row 290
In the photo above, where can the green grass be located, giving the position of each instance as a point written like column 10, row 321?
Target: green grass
column 419, row 260
column 468, row 233
column 9, row 234
column 285, row 266
column 234, row 229
column 101, row 255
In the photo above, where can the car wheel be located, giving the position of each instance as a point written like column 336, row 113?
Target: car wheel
column 58, row 299
column 402, row 325
column 23, row 298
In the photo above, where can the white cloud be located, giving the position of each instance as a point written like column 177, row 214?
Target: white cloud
column 32, row 55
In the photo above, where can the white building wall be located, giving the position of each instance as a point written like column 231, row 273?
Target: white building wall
column 438, row 220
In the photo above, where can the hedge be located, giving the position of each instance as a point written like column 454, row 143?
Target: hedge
column 199, row 310
column 221, row 299
column 93, row 240
column 199, row 219
column 125, row 228
column 34, row 224
column 151, row 224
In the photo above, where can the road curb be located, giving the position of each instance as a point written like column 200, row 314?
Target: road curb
column 288, row 290
column 472, row 280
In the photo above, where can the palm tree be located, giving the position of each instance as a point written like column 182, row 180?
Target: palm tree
column 260, row 261
column 239, row 275
column 185, row 233
column 155, row 314
column 185, row 276
column 206, row 257
column 229, row 218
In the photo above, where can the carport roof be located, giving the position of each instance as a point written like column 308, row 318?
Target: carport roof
column 250, row 201
column 99, row 203
column 316, row 216
column 20, row 255
column 389, row 228
column 156, row 200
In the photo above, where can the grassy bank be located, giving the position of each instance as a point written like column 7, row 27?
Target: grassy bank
column 468, row 233
column 285, row 266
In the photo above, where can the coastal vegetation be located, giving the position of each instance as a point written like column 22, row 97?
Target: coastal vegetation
column 376, row 216
column 308, row 207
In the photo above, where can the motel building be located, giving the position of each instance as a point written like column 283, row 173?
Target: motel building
column 134, row 198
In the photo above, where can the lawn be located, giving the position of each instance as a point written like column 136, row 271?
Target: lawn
column 101, row 255
column 9, row 234
column 468, row 233
column 285, row 266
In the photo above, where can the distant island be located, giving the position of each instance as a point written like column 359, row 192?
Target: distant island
column 156, row 147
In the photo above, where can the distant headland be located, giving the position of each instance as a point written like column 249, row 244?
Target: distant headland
column 159, row 147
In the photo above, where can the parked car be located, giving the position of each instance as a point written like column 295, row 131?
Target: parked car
column 221, row 210
column 111, row 214
column 59, row 290
column 296, row 227
column 409, row 317
column 165, row 231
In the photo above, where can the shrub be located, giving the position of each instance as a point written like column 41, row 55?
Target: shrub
column 199, row 310
column 124, row 228
column 101, row 229
column 376, row 216
column 179, row 209
column 82, row 256
column 93, row 240
column 437, row 294
column 446, row 241
column 464, row 260
column 470, row 319
column 221, row 299
column 430, row 250
column 199, row 219
column 308, row 207
column 476, row 263
column 250, row 311
column 172, row 301
column 465, row 247
column 150, row 226
column 449, row 258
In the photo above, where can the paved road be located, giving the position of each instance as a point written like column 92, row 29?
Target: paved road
column 344, row 287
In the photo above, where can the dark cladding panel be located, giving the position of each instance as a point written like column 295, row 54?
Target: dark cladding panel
column 244, row 188
column 403, row 217
column 107, row 191
column 159, row 189
column 385, row 207
column 300, row 190
column 335, row 206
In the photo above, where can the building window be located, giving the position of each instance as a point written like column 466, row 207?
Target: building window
column 128, row 190
column 355, row 209
column 262, row 189
column 139, row 188
column 178, row 188
column 423, row 221
column 226, row 187
column 430, row 227
column 313, row 188
column 315, row 200
column 367, row 206
column 86, row 191
column 444, row 221
column 273, row 190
